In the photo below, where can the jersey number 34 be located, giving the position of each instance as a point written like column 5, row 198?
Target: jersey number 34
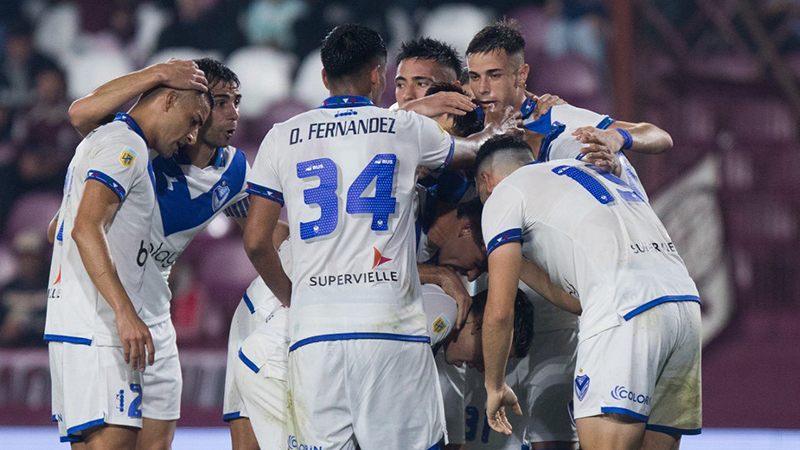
column 381, row 206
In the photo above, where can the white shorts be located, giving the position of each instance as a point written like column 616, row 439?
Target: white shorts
column 92, row 386
column 546, row 374
column 243, row 323
column 647, row 368
column 453, row 383
column 163, row 381
column 262, row 379
column 382, row 394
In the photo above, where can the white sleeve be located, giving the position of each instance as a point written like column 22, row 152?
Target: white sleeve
column 574, row 117
column 441, row 312
column 503, row 217
column 436, row 146
column 118, row 164
column 263, row 179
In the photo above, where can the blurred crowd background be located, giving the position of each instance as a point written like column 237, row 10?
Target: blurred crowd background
column 720, row 75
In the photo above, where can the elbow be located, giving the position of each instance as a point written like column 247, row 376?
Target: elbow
column 76, row 118
column 253, row 245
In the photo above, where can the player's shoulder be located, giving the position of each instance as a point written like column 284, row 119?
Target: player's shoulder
column 117, row 137
column 232, row 157
column 574, row 116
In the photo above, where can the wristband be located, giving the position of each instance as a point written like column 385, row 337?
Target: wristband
column 627, row 139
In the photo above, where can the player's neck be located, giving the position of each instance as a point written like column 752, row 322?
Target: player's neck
column 519, row 101
column 142, row 119
column 351, row 89
column 200, row 154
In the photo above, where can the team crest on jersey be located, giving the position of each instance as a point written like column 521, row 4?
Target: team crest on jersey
column 581, row 386
column 127, row 157
column 440, row 324
column 220, row 195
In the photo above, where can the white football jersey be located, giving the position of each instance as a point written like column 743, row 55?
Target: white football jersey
column 559, row 123
column 595, row 236
column 347, row 172
column 188, row 199
column 116, row 155
column 258, row 296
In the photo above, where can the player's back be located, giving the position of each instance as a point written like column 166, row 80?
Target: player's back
column 598, row 238
column 347, row 173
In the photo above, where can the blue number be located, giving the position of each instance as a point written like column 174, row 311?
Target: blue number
column 588, row 182
column 323, row 195
column 135, row 410
column 382, row 205
column 471, row 415
column 629, row 194
column 486, row 430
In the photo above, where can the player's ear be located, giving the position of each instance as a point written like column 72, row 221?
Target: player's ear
column 375, row 75
column 523, row 75
column 325, row 80
column 170, row 99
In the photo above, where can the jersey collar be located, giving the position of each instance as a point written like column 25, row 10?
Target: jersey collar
column 346, row 101
column 122, row 117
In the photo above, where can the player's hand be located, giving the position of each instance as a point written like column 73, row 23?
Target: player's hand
column 496, row 402
column 452, row 285
column 137, row 343
column 605, row 161
column 544, row 102
column 599, row 140
column 181, row 74
column 506, row 121
column 441, row 103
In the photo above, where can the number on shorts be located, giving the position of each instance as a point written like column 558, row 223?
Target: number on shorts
column 135, row 408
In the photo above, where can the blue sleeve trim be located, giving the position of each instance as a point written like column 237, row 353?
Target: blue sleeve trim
column 512, row 235
column 108, row 181
column 250, row 364
column 249, row 303
column 353, row 336
column 231, row 416
column 261, row 191
column 627, row 412
column 435, row 446
column 85, row 426
column 449, row 156
column 660, row 300
column 71, row 439
column 69, row 339
column 673, row 431
column 605, row 123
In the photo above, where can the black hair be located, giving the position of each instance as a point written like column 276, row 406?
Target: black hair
column 349, row 48
column 502, row 35
column 499, row 143
column 216, row 72
column 434, row 50
column 523, row 320
column 463, row 126
column 472, row 209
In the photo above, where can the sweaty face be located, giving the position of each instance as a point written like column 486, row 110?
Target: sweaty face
column 219, row 129
column 495, row 78
column 467, row 345
column 415, row 76
column 181, row 122
column 463, row 254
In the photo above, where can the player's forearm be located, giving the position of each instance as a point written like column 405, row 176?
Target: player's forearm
column 466, row 149
column 498, row 331
column 538, row 280
column 96, row 257
column 647, row 138
column 268, row 265
column 430, row 274
column 51, row 229
column 93, row 110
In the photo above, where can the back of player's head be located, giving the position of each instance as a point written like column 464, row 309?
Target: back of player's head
column 512, row 150
column 502, row 35
column 523, row 320
column 434, row 50
column 465, row 125
column 217, row 73
column 350, row 48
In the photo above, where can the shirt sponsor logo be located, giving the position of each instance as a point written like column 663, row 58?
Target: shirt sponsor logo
column 127, row 157
column 620, row 393
column 653, row 247
column 294, row 444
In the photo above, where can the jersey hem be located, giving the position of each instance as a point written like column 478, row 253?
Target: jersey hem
column 655, row 302
column 624, row 411
column 354, row 336
column 232, row 416
column 67, row 339
column 85, row 426
column 673, row 430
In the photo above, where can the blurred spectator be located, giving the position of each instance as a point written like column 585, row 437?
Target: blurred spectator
column 20, row 66
column 272, row 21
column 44, row 141
column 576, row 26
column 23, row 301
column 202, row 24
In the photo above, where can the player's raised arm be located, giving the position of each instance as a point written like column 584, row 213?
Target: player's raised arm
column 640, row 137
column 506, row 122
column 96, row 211
column 97, row 108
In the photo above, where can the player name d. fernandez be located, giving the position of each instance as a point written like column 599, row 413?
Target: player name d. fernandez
column 338, row 128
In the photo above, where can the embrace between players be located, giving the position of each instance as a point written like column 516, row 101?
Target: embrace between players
column 358, row 328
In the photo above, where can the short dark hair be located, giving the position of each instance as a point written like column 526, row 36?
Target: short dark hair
column 348, row 48
column 523, row 320
column 472, row 209
column 216, row 72
column 502, row 35
column 499, row 143
column 434, row 50
column 463, row 126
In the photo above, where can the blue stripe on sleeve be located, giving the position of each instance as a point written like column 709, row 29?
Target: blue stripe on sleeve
column 449, row 155
column 261, row 191
column 108, row 181
column 512, row 235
